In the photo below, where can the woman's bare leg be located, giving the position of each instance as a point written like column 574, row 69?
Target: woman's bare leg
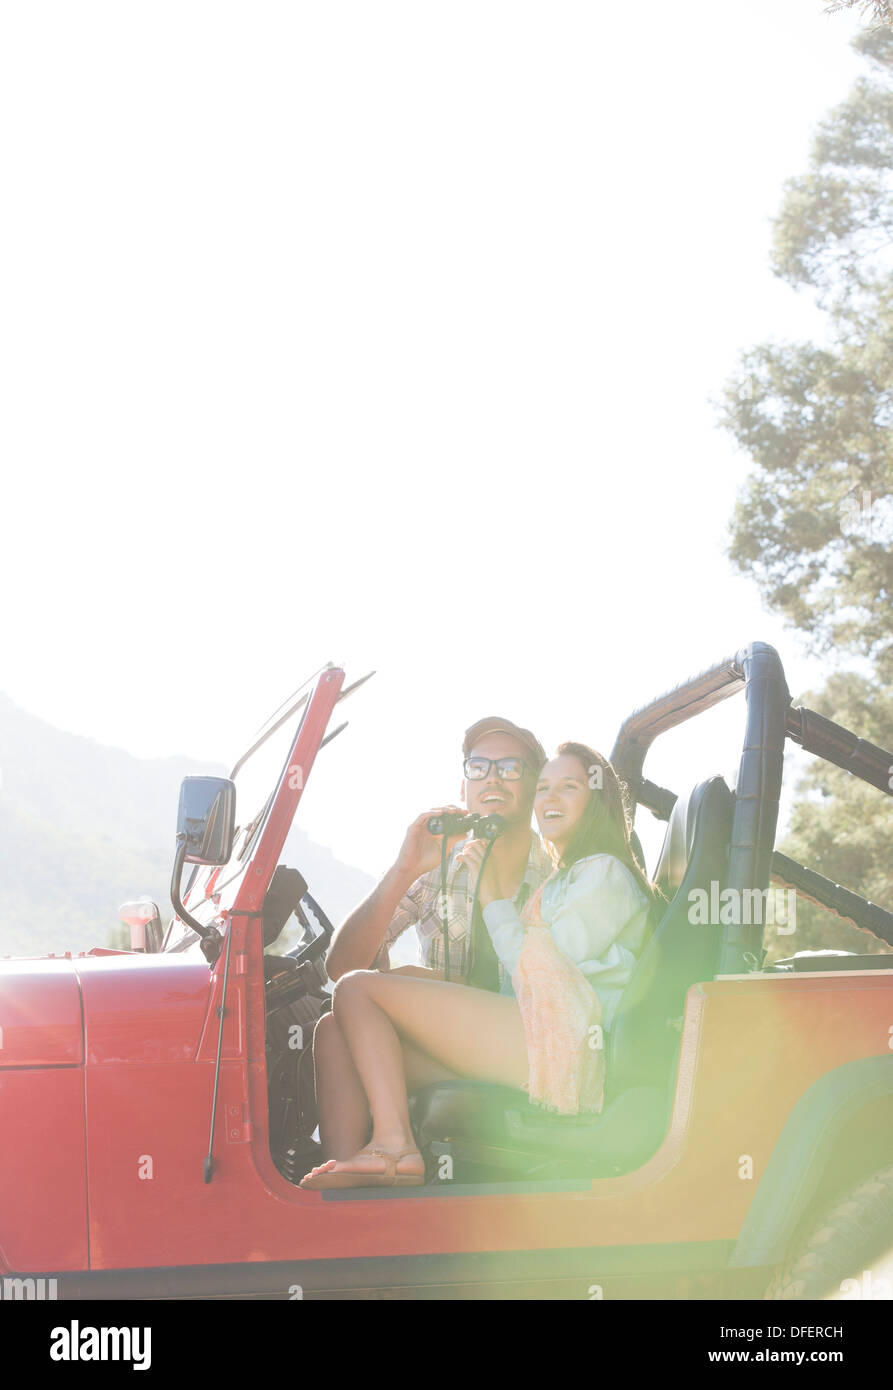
column 419, row 972
column 342, row 1108
column 471, row 1032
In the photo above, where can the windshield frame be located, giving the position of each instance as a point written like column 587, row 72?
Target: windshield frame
column 216, row 890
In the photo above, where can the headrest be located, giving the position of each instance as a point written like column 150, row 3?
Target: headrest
column 678, row 840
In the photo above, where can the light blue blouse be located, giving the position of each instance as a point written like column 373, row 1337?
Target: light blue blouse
column 597, row 913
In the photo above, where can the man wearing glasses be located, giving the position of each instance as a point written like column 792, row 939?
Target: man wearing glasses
column 501, row 765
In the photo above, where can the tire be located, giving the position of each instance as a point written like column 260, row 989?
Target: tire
column 855, row 1230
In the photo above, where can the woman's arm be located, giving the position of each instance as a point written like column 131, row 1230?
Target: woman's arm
column 500, row 914
column 506, row 930
column 599, row 901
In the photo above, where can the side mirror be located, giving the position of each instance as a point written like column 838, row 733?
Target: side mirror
column 206, row 819
column 144, row 921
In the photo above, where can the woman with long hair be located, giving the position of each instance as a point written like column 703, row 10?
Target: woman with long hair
column 569, row 955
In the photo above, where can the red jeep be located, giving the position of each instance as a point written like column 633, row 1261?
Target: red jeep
column 153, row 1101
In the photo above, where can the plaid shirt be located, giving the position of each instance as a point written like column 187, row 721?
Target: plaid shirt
column 420, row 907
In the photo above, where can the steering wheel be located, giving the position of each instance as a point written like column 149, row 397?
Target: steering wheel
column 318, row 942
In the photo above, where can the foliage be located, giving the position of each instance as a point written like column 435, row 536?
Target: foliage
column 881, row 11
column 813, row 523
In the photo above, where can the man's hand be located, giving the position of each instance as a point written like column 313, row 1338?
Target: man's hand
column 420, row 850
column 358, row 940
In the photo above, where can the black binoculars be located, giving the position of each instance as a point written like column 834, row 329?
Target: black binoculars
column 454, row 823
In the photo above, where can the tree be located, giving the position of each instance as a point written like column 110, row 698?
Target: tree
column 834, row 232
column 879, row 10
column 813, row 524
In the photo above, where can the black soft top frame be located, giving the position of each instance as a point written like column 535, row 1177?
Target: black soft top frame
column 770, row 718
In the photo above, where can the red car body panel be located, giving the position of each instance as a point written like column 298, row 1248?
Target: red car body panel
column 43, row 1169
column 711, row 1129
column 40, row 1014
column 147, row 1131
column 143, row 1008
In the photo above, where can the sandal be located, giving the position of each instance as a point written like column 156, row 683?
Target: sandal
column 389, row 1178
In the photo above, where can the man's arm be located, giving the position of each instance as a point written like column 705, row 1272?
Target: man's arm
column 361, row 935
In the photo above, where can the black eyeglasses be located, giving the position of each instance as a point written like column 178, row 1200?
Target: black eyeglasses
column 507, row 769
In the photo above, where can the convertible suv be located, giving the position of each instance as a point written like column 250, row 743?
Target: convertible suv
column 156, row 1104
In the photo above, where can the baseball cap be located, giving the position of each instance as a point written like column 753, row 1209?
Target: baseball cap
column 494, row 725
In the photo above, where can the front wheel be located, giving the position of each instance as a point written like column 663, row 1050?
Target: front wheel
column 848, row 1253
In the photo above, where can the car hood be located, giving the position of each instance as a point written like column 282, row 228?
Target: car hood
column 97, row 1009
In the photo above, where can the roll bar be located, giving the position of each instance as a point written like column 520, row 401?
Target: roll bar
column 757, row 670
column 849, row 906
column 820, row 735
column 771, row 717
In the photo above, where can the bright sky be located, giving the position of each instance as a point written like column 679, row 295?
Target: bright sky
column 386, row 334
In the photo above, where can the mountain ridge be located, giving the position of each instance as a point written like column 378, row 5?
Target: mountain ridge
column 85, row 826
